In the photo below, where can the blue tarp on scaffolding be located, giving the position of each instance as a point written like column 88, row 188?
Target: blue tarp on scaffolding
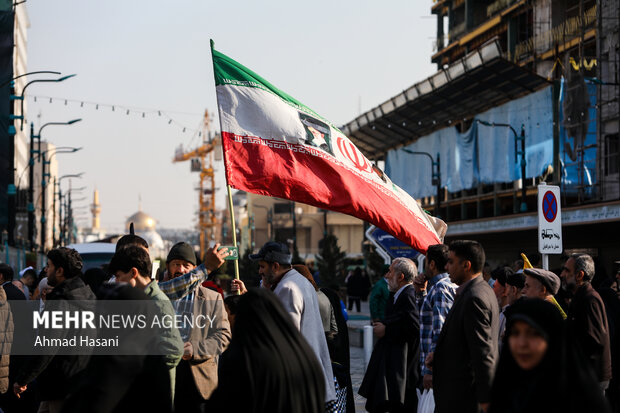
column 582, row 166
column 482, row 154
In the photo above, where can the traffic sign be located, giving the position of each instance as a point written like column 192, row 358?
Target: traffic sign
column 549, row 220
column 388, row 243
column 549, row 206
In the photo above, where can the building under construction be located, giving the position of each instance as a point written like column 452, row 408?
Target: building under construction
column 203, row 160
column 526, row 92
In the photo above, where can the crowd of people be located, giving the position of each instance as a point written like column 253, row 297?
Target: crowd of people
column 508, row 340
column 516, row 340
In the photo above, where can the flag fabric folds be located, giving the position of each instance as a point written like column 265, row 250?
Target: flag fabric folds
column 276, row 146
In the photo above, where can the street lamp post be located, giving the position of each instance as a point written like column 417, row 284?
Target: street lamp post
column 292, row 205
column 69, row 215
column 252, row 232
column 517, row 153
column 269, row 219
column 436, row 177
column 60, row 218
column 11, row 188
column 61, row 149
column 315, row 220
column 31, row 172
column 21, row 97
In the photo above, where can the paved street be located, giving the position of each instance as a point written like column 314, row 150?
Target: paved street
column 356, row 322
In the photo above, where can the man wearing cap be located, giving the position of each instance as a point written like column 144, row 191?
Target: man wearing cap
column 299, row 300
column 179, row 287
column 514, row 286
column 542, row 284
column 196, row 375
column 587, row 319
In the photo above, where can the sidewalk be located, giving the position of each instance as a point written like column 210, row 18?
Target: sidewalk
column 356, row 323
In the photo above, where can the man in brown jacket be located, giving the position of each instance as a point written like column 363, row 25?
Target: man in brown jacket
column 196, row 375
column 587, row 319
column 6, row 339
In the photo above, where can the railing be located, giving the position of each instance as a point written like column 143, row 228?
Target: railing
column 570, row 29
column 457, row 31
column 440, row 43
column 498, row 5
column 16, row 258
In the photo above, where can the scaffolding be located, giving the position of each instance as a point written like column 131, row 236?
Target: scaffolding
column 608, row 55
column 202, row 161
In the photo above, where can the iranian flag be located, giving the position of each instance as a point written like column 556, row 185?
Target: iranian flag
column 276, row 146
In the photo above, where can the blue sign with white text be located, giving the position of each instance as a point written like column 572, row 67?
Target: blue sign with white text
column 393, row 246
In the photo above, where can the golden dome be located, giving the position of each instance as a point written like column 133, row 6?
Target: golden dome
column 141, row 222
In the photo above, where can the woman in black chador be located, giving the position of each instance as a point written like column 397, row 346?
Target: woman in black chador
column 539, row 370
column 268, row 366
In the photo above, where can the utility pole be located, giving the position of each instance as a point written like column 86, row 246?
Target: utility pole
column 31, row 190
column 518, row 152
column 54, row 214
column 43, row 205
column 435, row 176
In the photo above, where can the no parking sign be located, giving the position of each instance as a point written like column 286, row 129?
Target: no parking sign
column 549, row 220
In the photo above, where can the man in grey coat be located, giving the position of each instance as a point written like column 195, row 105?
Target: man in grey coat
column 466, row 353
column 299, row 300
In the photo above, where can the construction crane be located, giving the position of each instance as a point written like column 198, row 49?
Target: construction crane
column 202, row 160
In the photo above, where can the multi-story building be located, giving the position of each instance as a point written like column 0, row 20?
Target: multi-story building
column 13, row 137
column 277, row 219
column 526, row 92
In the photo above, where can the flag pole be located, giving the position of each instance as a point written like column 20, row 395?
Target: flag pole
column 230, row 201
column 234, row 231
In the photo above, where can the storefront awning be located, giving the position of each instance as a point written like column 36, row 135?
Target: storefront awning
column 481, row 80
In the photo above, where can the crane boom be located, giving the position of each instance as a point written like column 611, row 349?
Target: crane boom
column 207, row 221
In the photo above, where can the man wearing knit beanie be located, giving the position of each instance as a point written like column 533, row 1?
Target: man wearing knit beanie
column 196, row 375
column 181, row 259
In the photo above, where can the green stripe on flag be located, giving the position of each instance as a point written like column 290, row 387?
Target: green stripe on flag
column 231, row 73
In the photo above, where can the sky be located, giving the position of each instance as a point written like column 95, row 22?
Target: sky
column 152, row 58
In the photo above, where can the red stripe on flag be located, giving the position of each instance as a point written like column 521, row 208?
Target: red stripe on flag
column 311, row 176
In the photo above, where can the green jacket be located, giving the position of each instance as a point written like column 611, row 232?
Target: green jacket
column 171, row 344
column 378, row 299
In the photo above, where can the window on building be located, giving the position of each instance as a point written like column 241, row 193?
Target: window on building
column 612, row 154
column 282, row 208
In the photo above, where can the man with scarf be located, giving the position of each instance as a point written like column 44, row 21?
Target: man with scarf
column 300, row 301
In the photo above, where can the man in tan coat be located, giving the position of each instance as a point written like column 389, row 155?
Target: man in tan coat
column 196, row 376
column 6, row 339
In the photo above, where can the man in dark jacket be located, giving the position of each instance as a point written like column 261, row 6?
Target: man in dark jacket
column 124, row 381
column 6, row 279
column 356, row 286
column 392, row 375
column 466, row 354
column 8, row 402
column 587, row 320
column 56, row 373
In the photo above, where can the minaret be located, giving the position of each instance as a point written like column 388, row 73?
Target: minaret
column 95, row 208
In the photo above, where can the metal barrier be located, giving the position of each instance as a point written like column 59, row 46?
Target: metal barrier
column 16, row 258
